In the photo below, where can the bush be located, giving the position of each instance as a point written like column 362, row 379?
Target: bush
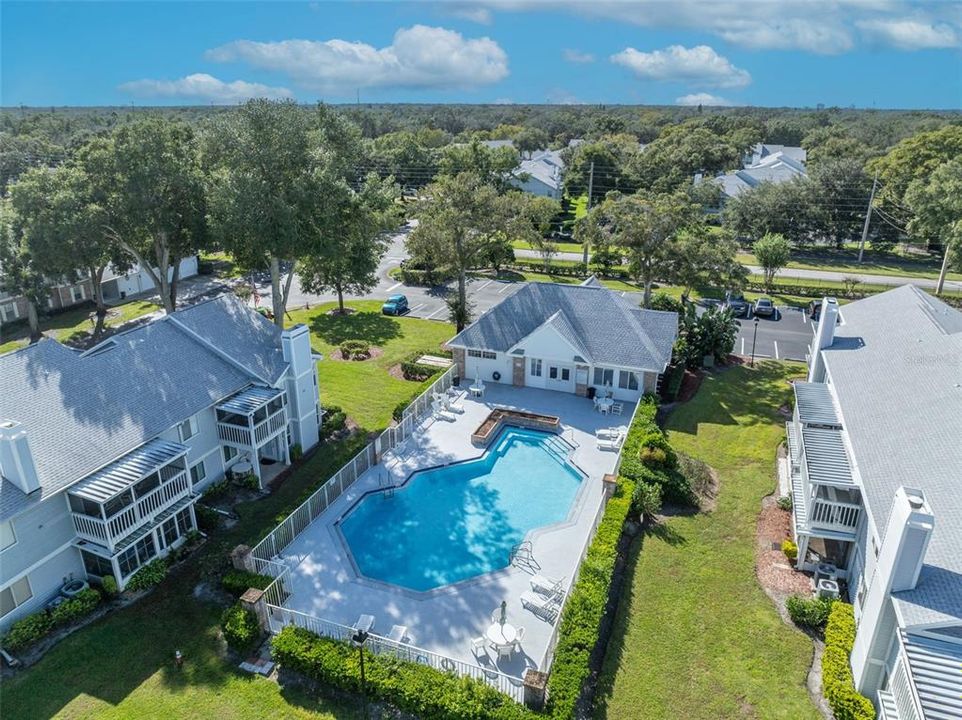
column 581, row 620
column 216, row 490
column 412, row 370
column 108, row 585
column 27, row 631
column 248, row 481
column 697, row 474
column 335, row 420
column 207, row 518
column 297, row 452
column 664, row 301
column 236, row 582
column 838, row 685
column 671, row 387
column 790, row 549
column 646, row 500
column 355, row 350
column 809, row 612
column 413, row 688
column 240, row 627
column 149, row 575
column 785, row 502
column 398, row 412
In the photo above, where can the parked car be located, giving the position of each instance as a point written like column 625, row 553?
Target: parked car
column 765, row 307
column 814, row 309
column 395, row 305
column 737, row 303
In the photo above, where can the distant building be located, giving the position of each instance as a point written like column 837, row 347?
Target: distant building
column 764, row 150
column 774, row 168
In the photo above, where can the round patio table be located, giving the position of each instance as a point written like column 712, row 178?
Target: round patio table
column 604, row 405
column 502, row 634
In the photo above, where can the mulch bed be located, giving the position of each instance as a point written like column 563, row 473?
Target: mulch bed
column 775, row 571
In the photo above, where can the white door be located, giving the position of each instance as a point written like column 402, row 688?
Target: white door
column 534, row 372
column 560, row 377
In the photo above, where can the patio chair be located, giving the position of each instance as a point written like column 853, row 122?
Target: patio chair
column 479, row 646
column 364, row 622
column 544, row 607
column 518, row 639
column 505, row 652
column 549, row 587
column 398, row 633
column 617, row 408
column 440, row 413
column 611, row 443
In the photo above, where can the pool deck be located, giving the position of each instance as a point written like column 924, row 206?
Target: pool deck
column 325, row 583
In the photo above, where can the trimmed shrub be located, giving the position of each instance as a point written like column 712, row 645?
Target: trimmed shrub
column 28, row 630
column 297, row 452
column 216, row 490
column 413, row 688
column 785, row 503
column 237, row 582
column 838, row 685
column 108, row 585
column 398, row 412
column 581, row 620
column 248, row 481
column 646, row 500
column 240, row 627
column 697, row 473
column 149, row 575
column 355, row 350
column 207, row 518
column 810, row 612
column 790, row 549
column 335, row 420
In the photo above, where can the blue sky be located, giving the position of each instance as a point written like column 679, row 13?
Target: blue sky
column 881, row 53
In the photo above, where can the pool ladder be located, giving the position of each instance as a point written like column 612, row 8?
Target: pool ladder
column 384, row 483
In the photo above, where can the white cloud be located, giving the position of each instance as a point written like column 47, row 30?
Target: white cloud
column 201, row 86
column 471, row 13
column 909, row 33
column 576, row 56
column 699, row 65
column 419, row 57
column 704, row 99
column 560, row 96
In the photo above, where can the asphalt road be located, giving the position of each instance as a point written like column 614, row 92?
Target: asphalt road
column 786, row 337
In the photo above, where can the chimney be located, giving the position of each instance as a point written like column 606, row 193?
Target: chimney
column 16, row 460
column 897, row 568
column 824, row 337
column 302, row 392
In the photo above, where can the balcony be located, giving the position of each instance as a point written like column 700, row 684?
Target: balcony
column 252, row 417
column 129, row 493
column 834, row 515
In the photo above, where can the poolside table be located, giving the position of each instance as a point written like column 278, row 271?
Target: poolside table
column 501, row 635
column 604, row 405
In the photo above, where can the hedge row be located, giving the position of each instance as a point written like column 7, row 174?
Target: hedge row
column 413, row 370
column 240, row 627
column 811, row 612
column 837, row 683
column 647, row 458
column 237, row 582
column 413, row 688
column 32, row 628
column 585, row 607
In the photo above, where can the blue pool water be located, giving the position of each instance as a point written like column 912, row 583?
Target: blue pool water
column 451, row 523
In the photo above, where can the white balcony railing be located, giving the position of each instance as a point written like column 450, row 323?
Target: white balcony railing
column 112, row 531
column 264, row 430
column 833, row 514
column 902, row 691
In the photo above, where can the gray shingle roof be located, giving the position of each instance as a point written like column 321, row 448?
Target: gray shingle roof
column 609, row 329
column 82, row 411
column 896, row 368
column 246, row 337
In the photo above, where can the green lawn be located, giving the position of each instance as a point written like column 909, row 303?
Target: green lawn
column 571, row 247
column 77, row 323
column 695, row 636
column 122, row 666
column 366, row 391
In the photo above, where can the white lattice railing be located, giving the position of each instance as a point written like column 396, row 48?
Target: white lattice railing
column 266, row 428
column 834, row 514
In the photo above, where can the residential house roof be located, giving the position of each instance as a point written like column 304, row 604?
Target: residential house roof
column 896, row 369
column 775, row 168
column 604, row 326
column 763, row 150
column 83, row 411
column 936, row 668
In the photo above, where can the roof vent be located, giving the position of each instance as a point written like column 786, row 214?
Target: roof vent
column 915, row 501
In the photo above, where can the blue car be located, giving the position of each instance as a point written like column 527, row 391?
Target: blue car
column 395, row 305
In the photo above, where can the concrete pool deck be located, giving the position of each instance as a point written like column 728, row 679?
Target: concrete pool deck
column 325, row 584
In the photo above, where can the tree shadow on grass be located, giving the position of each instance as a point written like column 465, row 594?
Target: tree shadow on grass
column 375, row 328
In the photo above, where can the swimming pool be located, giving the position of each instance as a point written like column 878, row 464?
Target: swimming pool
column 451, row 523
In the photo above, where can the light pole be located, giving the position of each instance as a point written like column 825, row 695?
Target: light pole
column 358, row 640
column 754, row 337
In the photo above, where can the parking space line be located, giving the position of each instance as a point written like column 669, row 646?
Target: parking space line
column 416, row 308
column 431, row 316
column 743, row 346
column 507, row 286
column 395, row 286
column 776, row 348
column 483, row 286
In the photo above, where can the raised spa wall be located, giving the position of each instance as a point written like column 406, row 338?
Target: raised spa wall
column 498, row 418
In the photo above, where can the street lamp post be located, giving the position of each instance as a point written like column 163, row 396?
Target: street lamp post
column 754, row 337
column 358, row 640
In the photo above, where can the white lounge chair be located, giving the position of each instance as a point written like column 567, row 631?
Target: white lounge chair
column 440, row 413
column 456, row 406
column 398, row 633
column 540, row 605
column 364, row 622
column 547, row 586
column 611, row 443
column 610, row 432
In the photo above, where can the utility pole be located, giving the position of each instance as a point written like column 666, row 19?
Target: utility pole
column 591, row 183
column 868, row 217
